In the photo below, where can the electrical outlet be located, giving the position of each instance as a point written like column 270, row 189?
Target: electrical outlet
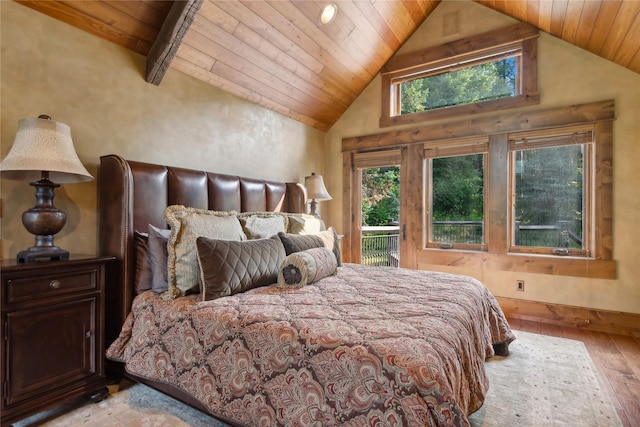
column 520, row 285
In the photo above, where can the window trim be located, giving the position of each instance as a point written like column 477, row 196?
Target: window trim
column 600, row 114
column 519, row 36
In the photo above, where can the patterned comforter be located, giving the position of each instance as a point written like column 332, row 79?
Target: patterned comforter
column 368, row 346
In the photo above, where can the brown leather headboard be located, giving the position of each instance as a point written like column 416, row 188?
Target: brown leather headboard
column 134, row 194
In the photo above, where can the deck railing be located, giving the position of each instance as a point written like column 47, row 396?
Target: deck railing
column 458, row 231
column 380, row 245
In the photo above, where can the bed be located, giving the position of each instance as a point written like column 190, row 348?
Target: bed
column 338, row 344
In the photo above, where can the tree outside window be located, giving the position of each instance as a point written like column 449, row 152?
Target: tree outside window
column 548, row 207
column 457, row 199
column 380, row 196
column 483, row 82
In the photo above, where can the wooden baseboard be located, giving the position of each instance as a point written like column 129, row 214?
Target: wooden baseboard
column 612, row 322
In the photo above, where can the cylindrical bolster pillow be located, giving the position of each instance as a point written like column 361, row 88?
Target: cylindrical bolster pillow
column 305, row 267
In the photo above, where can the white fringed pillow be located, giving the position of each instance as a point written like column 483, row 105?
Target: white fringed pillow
column 262, row 225
column 187, row 224
column 305, row 267
column 301, row 223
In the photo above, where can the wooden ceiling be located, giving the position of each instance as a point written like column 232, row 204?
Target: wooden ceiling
column 275, row 53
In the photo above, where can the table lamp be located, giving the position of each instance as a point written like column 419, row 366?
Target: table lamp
column 316, row 191
column 43, row 150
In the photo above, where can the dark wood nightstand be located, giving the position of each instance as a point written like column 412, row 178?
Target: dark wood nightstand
column 52, row 333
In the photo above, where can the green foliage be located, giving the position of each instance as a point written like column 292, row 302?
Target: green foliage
column 482, row 82
column 380, row 195
column 549, row 186
column 458, row 188
column 386, row 209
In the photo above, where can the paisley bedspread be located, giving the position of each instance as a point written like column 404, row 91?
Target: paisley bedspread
column 368, row 346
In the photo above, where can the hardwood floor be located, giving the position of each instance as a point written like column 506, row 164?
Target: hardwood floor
column 617, row 358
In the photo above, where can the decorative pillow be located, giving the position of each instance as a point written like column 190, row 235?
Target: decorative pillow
column 229, row 267
column 143, row 277
column 187, row 224
column 304, row 224
column 305, row 267
column 301, row 242
column 158, row 255
column 262, row 225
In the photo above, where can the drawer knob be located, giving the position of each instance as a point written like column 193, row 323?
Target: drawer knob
column 55, row 284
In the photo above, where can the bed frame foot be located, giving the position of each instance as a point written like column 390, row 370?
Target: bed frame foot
column 99, row 395
column 501, row 349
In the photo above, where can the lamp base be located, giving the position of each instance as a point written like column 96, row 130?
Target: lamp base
column 44, row 220
column 312, row 211
column 37, row 254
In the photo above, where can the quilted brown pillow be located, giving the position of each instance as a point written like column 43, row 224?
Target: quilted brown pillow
column 228, row 267
column 301, row 242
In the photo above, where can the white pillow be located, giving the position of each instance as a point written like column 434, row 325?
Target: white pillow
column 187, row 224
column 262, row 225
column 300, row 223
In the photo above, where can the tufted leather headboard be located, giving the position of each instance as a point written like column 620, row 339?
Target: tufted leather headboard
column 134, row 194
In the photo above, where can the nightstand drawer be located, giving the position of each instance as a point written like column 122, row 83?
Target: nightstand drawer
column 48, row 285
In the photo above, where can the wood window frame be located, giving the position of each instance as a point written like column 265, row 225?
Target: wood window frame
column 497, row 127
column 519, row 36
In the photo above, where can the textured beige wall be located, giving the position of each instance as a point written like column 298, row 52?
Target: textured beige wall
column 567, row 75
column 98, row 89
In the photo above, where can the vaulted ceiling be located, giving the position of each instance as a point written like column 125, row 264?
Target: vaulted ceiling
column 276, row 54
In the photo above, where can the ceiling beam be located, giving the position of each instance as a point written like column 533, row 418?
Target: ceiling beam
column 166, row 44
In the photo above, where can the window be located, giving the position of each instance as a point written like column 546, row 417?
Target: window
column 380, row 244
column 375, row 208
column 537, row 184
column 456, row 193
column 548, row 180
column 551, row 190
column 490, row 71
column 477, row 80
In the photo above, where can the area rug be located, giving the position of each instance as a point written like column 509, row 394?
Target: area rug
column 128, row 405
column 545, row 381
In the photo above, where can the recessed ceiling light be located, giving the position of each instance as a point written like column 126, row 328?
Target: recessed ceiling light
column 328, row 13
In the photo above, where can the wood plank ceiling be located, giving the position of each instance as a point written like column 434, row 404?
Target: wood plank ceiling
column 275, row 53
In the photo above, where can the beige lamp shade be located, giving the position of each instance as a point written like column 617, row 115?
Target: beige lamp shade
column 315, row 187
column 43, row 145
